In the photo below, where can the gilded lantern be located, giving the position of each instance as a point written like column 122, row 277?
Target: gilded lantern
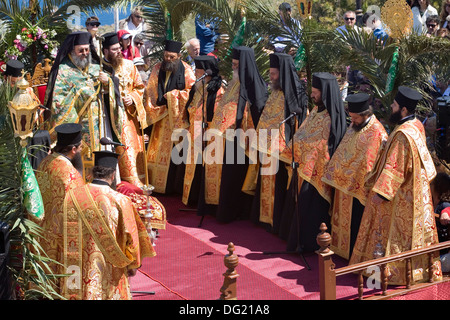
column 23, row 112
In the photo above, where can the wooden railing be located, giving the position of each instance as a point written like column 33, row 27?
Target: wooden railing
column 328, row 273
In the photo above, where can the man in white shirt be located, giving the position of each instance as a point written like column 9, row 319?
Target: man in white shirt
column 193, row 49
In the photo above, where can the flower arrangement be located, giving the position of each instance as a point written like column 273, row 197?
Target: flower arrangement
column 43, row 39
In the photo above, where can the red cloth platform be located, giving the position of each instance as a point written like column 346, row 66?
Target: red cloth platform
column 189, row 263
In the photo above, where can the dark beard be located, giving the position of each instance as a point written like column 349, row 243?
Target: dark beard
column 275, row 85
column 320, row 106
column 116, row 61
column 170, row 66
column 77, row 162
column 395, row 117
column 358, row 127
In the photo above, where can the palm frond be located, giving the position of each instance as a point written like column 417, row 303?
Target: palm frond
column 28, row 262
column 420, row 58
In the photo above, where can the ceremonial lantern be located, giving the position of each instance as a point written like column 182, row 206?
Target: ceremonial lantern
column 23, row 112
column 397, row 18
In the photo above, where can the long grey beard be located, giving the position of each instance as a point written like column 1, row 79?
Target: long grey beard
column 82, row 63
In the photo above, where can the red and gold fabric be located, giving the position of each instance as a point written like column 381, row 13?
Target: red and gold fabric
column 142, row 203
column 352, row 161
column 404, row 221
column 224, row 118
column 311, row 151
column 104, row 237
column 126, row 124
column 271, row 117
column 196, row 138
column 165, row 119
column 55, row 176
column 75, row 100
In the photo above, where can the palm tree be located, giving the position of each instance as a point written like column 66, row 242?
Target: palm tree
column 420, row 58
column 234, row 20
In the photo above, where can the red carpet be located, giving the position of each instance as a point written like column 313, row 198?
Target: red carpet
column 189, row 263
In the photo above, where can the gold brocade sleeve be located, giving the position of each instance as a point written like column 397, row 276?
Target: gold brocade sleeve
column 82, row 202
column 136, row 91
column 177, row 99
column 393, row 172
column 154, row 113
column 311, row 151
column 354, row 159
column 138, row 244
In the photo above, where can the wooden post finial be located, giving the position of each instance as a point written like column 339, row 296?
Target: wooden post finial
column 228, row 288
column 323, row 239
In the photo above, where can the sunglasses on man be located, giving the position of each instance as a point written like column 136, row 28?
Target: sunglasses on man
column 431, row 25
column 351, row 19
column 93, row 24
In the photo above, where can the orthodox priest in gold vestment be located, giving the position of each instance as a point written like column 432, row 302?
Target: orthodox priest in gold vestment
column 165, row 99
column 314, row 144
column 104, row 237
column 399, row 210
column 237, row 112
column 203, row 98
column 74, row 93
column 56, row 174
column 287, row 97
column 127, row 116
column 353, row 160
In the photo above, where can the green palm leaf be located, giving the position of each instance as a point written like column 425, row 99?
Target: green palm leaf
column 29, row 264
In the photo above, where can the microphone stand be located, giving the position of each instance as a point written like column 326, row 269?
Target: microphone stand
column 294, row 166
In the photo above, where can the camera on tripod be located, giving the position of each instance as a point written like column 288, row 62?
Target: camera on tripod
column 443, row 129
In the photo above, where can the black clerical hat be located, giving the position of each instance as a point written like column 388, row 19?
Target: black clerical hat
column 14, row 68
column 110, row 39
column 68, row 134
column 81, row 38
column 106, row 159
column 173, row 46
column 317, row 79
column 274, row 61
column 358, row 102
column 408, row 97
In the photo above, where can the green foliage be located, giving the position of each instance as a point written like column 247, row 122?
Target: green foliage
column 420, row 58
column 28, row 263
